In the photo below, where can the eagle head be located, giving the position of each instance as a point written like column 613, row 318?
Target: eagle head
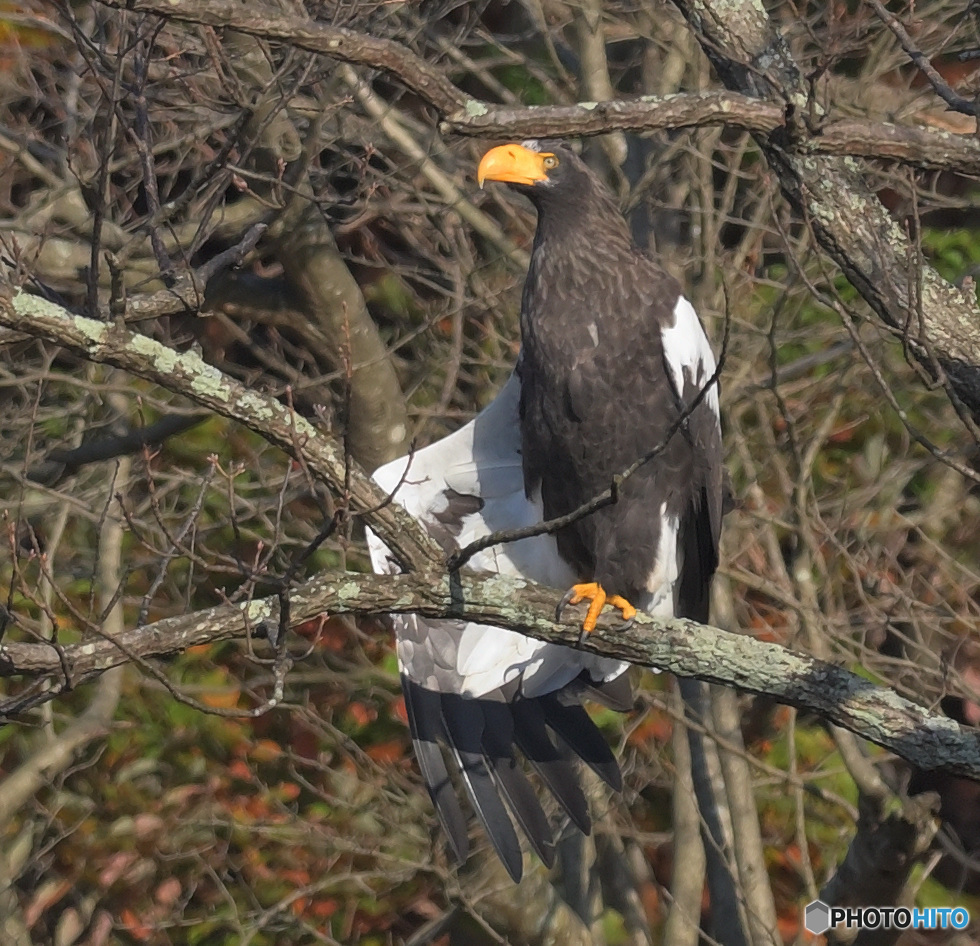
column 529, row 164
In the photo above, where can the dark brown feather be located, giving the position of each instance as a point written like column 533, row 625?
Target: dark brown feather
column 596, row 395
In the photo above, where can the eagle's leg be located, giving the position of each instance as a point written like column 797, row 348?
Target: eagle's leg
column 597, row 598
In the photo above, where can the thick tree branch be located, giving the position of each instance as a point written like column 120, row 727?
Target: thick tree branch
column 463, row 114
column 644, row 113
column 932, row 149
column 683, row 647
column 887, row 845
column 335, row 311
column 920, row 146
column 680, row 646
column 315, row 36
column 939, row 323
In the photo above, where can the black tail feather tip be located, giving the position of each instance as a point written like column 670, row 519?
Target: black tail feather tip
column 480, row 735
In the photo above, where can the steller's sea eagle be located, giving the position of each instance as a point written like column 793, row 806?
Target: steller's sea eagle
column 613, row 358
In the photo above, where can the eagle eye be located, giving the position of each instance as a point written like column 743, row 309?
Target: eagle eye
column 550, row 161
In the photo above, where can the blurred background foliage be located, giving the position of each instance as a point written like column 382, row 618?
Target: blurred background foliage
column 133, row 150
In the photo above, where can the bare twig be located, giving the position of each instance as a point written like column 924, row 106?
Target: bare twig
column 315, row 36
column 58, row 752
column 61, row 463
column 189, row 374
column 938, row 83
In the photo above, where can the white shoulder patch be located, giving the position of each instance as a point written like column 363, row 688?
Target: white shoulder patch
column 688, row 353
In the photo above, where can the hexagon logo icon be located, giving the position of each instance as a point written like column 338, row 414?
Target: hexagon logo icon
column 816, row 917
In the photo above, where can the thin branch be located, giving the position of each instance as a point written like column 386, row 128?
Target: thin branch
column 139, row 134
column 189, row 375
column 60, row 463
column 176, row 543
column 187, row 294
column 956, row 102
column 57, row 751
column 313, row 35
column 387, row 118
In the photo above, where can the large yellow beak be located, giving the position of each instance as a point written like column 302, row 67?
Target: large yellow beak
column 513, row 164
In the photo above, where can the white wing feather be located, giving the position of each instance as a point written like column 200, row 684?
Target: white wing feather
column 483, row 460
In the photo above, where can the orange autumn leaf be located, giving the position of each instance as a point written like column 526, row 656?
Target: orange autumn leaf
column 361, row 714
column 240, row 770
column 387, row 752
column 398, row 709
column 324, row 909
column 257, row 867
column 134, row 925
column 311, row 629
column 265, row 750
column 258, row 808
column 650, row 898
column 287, row 791
column 791, row 853
column 329, row 633
column 295, row 876
column 222, row 699
column 656, row 728
column 781, row 716
column 348, row 765
column 790, row 928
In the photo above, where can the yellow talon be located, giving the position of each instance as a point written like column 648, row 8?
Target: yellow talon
column 629, row 612
column 597, row 598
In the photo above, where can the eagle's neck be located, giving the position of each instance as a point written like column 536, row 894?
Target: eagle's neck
column 575, row 241
column 582, row 224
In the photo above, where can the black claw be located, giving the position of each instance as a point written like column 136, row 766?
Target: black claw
column 565, row 601
column 623, row 625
